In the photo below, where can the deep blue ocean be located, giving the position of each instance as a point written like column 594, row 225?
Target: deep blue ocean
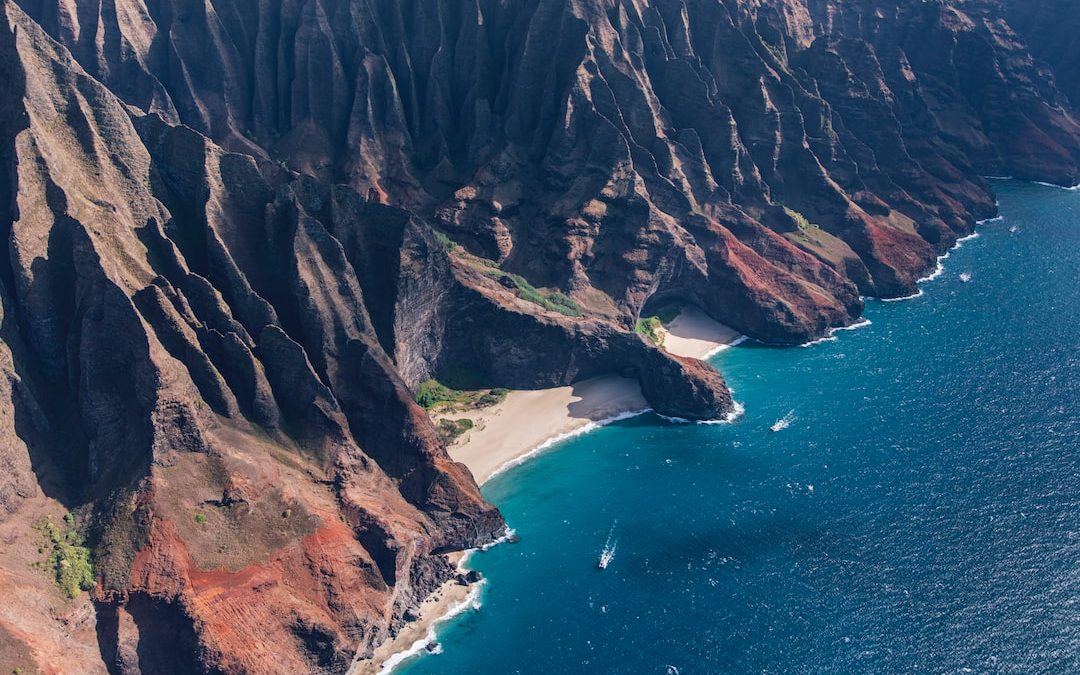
column 920, row 513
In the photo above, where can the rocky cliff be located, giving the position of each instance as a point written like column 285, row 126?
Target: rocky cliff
column 239, row 234
column 1049, row 27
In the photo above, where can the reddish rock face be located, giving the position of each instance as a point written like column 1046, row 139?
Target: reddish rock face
column 238, row 233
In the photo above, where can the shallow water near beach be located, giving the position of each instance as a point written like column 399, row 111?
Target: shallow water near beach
column 920, row 512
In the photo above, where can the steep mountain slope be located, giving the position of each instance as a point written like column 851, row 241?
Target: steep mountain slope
column 239, row 233
column 1049, row 27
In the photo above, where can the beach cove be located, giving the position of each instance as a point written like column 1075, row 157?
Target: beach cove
column 521, row 426
column 527, row 422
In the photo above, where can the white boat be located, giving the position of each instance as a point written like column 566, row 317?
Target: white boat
column 1013, row 229
column 784, row 422
column 608, row 553
column 965, row 277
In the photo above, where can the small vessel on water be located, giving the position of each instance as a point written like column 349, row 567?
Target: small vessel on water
column 965, row 277
column 608, row 552
column 1013, row 229
column 784, row 422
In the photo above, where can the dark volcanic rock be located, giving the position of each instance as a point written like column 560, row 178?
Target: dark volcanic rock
column 238, row 234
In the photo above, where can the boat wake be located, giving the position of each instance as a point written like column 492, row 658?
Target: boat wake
column 784, row 422
column 608, row 553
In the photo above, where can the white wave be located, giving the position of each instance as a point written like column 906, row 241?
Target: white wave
column 672, row 419
column 1074, row 188
column 719, row 348
column 997, row 177
column 820, row 340
column 469, row 602
column 507, row 535
column 995, row 219
column 939, row 269
column 830, row 336
column 855, row 326
column 917, row 294
column 555, row 440
column 737, row 409
column 974, row 235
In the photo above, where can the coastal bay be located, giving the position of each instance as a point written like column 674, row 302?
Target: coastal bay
column 916, row 513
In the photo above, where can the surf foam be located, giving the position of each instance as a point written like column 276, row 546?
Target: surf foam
column 719, row 348
column 469, row 602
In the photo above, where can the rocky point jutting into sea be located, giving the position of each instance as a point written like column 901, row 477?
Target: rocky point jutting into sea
column 240, row 235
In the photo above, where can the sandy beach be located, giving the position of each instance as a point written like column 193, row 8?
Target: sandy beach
column 694, row 334
column 526, row 421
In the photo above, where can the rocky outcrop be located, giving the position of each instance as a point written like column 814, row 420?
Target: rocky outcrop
column 238, row 234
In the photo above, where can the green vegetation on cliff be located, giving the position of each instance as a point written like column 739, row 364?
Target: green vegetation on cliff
column 555, row 301
column 432, row 395
column 68, row 559
column 652, row 328
column 450, row 430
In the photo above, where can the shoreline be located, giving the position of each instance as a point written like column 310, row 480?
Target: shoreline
column 529, row 422
column 447, row 601
column 939, row 269
column 691, row 334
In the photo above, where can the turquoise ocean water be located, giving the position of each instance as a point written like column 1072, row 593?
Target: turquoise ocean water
column 921, row 513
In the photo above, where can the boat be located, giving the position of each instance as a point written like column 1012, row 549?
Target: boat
column 965, row 277
column 784, row 422
column 1013, row 229
column 608, row 552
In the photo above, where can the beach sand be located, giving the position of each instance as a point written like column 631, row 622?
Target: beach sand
column 525, row 420
column 694, row 334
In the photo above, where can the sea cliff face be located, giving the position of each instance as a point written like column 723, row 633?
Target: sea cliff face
column 239, row 234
